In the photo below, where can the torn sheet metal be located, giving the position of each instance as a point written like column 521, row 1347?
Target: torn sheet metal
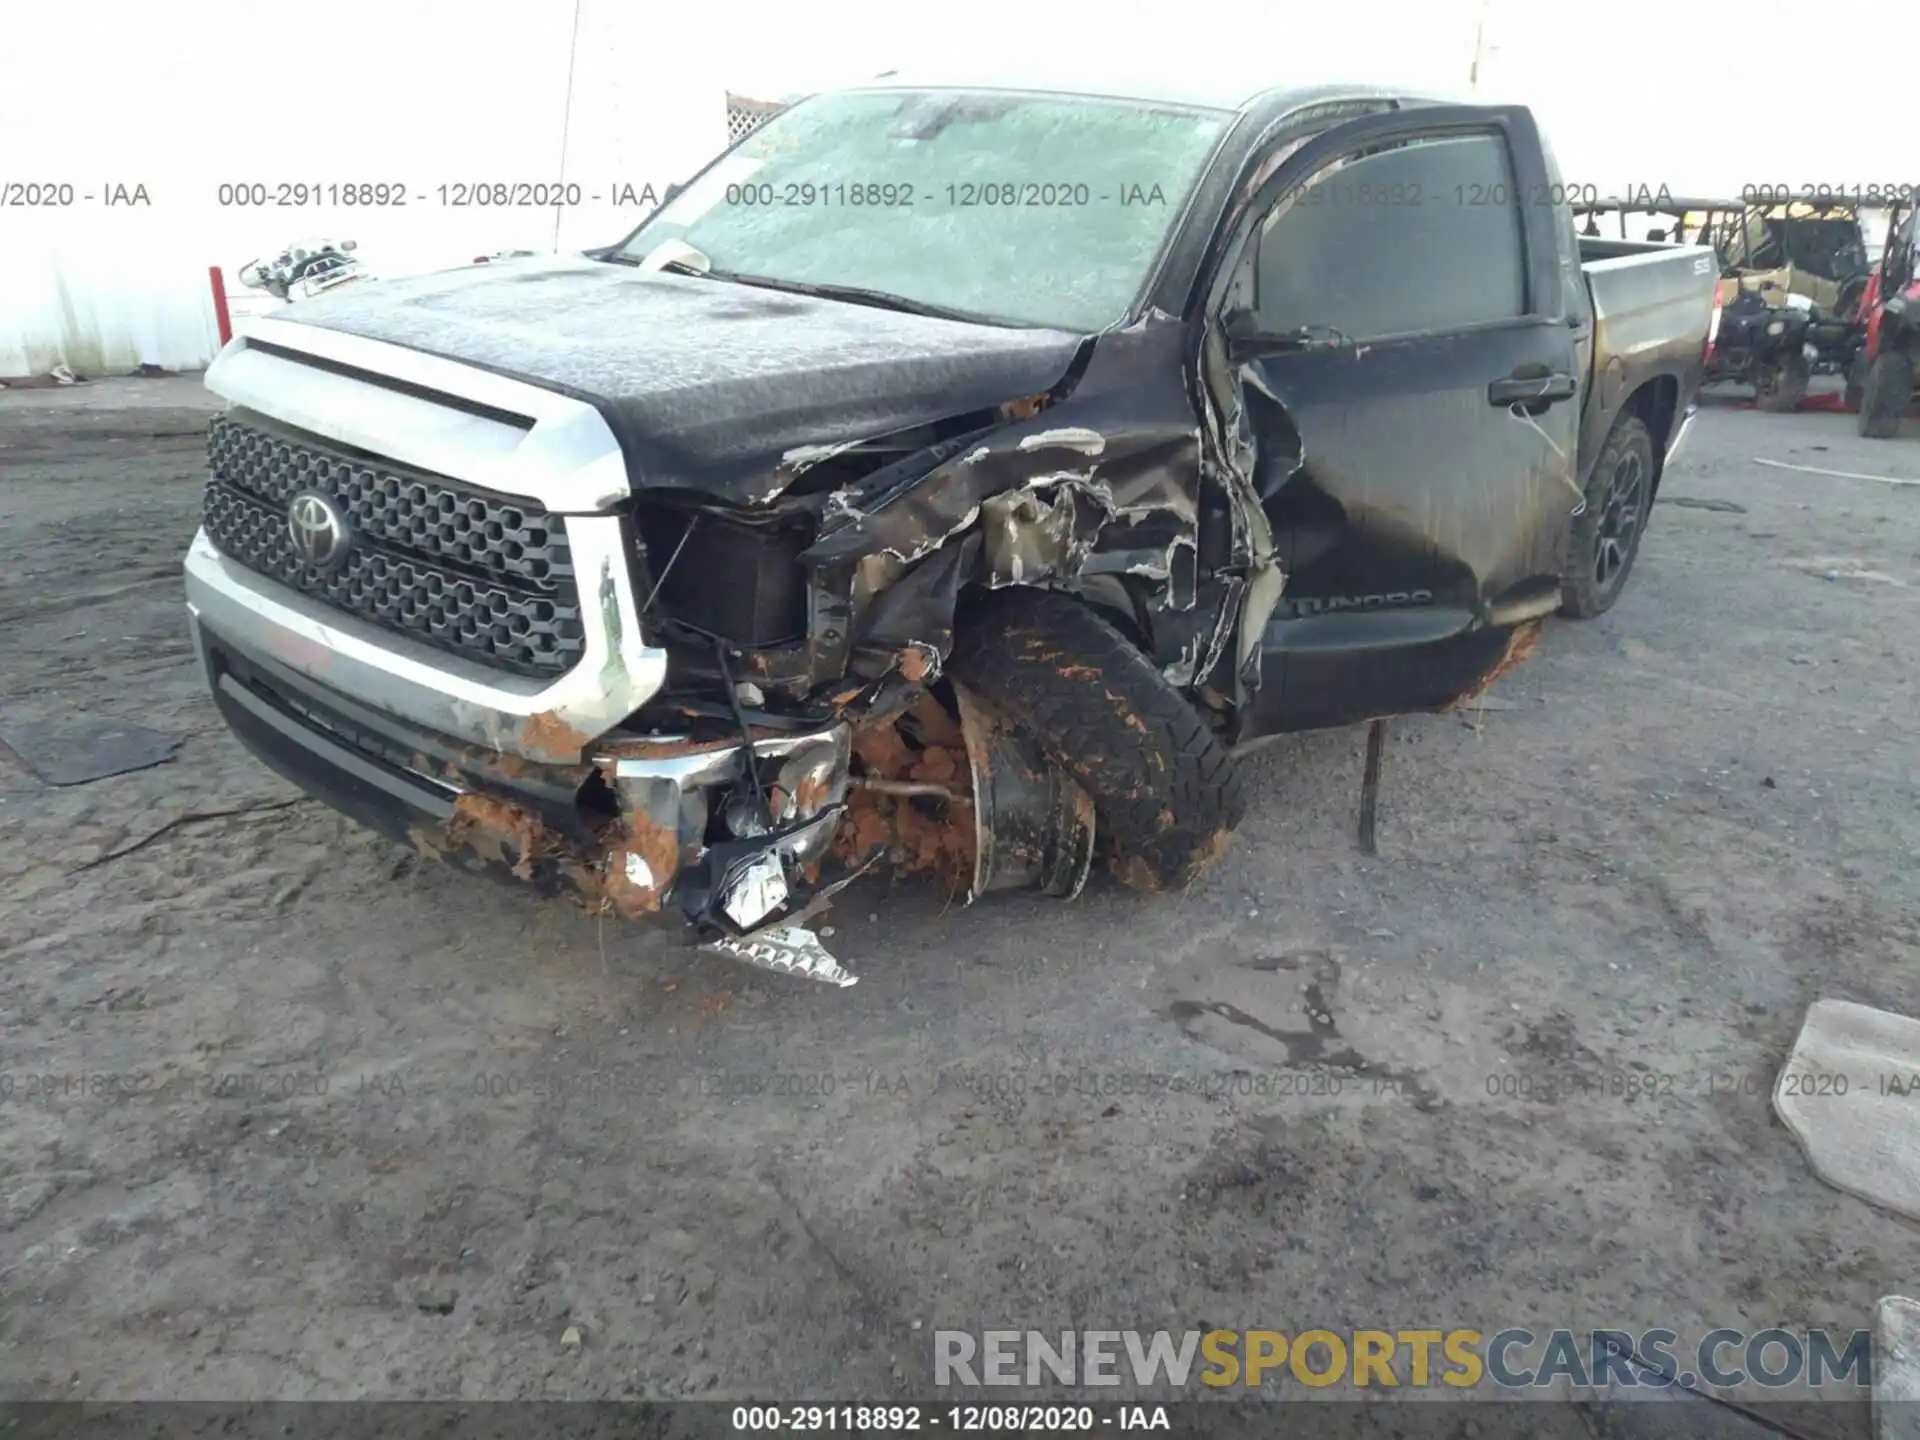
column 790, row 947
column 1030, row 537
column 1069, row 437
column 759, row 889
column 786, row 950
column 1106, row 481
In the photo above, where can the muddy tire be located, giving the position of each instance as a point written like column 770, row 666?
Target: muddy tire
column 1885, row 394
column 1605, row 537
column 1167, row 795
column 1779, row 389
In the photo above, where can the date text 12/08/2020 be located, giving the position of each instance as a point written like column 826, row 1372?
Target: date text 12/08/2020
column 503, row 194
column 960, row 1419
column 901, row 195
column 455, row 195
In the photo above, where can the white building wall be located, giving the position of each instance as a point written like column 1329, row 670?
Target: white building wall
column 67, row 304
column 424, row 92
column 182, row 98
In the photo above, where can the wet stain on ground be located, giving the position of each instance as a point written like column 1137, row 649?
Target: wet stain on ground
column 1320, row 1045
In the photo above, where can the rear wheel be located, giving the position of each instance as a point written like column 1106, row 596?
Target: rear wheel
column 1885, row 394
column 1605, row 536
column 1781, row 386
column 1166, row 793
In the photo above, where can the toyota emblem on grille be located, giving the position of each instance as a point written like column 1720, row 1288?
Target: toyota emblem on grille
column 318, row 529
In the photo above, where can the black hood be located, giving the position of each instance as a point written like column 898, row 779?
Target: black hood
column 708, row 384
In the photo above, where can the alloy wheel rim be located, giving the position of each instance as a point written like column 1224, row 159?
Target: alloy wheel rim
column 1619, row 520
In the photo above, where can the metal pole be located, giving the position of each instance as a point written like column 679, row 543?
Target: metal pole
column 222, row 318
column 566, row 119
column 1370, row 788
column 1479, row 46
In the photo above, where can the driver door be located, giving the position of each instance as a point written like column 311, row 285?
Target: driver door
column 1409, row 358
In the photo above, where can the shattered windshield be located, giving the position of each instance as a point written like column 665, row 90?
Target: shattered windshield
column 1021, row 208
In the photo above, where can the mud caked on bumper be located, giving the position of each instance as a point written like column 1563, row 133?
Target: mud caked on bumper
column 360, row 686
column 523, row 774
column 512, row 778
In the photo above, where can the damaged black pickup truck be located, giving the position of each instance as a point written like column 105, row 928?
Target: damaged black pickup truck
column 948, row 475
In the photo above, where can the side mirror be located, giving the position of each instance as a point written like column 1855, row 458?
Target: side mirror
column 667, row 195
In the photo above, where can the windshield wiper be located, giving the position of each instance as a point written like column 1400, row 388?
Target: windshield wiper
column 859, row 295
column 675, row 255
column 854, row 294
column 673, row 267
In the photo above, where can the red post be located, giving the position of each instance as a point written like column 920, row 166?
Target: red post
column 220, row 303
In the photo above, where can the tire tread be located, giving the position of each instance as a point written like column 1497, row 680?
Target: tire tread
column 1166, row 793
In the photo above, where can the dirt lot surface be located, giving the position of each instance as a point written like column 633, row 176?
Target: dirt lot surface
column 328, row 1122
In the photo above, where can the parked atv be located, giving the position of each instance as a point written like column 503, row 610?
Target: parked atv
column 1880, row 385
column 1793, row 274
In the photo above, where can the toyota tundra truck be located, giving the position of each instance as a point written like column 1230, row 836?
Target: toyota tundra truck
column 949, row 476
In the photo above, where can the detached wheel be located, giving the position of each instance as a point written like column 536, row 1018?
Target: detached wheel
column 1167, row 795
column 1885, row 394
column 1780, row 388
column 1606, row 535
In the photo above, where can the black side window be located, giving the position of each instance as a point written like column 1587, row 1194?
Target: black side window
column 1419, row 235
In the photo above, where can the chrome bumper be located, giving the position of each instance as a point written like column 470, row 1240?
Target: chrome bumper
column 808, row 773
column 551, row 722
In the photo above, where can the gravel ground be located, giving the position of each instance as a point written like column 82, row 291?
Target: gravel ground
column 1669, row 832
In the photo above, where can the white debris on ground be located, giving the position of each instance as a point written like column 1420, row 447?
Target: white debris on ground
column 1847, row 1094
column 1896, row 1369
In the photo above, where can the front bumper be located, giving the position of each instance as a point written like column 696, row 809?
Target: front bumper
column 544, row 722
column 640, row 823
column 535, row 778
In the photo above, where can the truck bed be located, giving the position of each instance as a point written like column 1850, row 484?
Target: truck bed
column 1647, row 295
column 1652, row 309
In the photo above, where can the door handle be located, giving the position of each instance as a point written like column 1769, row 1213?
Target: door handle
column 1531, row 390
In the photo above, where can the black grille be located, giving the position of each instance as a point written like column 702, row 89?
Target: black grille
column 486, row 576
